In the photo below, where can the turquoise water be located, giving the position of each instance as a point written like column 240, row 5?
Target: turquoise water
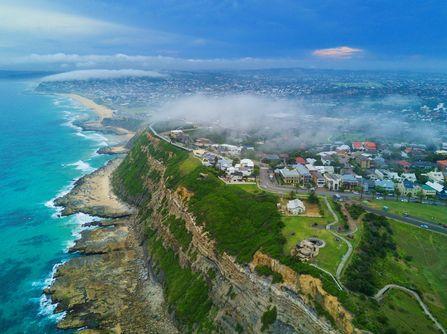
column 41, row 154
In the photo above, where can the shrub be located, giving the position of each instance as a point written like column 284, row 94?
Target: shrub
column 268, row 318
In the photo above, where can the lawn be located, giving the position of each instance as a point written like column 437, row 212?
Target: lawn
column 250, row 187
column 405, row 314
column 189, row 165
column 298, row 228
column 421, row 266
column 433, row 213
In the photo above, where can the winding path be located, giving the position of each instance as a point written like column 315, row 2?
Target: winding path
column 380, row 294
column 347, row 255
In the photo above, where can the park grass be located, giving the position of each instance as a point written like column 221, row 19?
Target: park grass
column 433, row 213
column 405, row 314
column 420, row 265
column 298, row 228
column 188, row 165
column 251, row 187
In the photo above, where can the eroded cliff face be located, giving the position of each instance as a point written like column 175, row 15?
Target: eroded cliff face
column 310, row 288
column 239, row 296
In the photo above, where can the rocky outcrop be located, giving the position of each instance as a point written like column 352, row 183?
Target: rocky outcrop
column 310, row 288
column 108, row 288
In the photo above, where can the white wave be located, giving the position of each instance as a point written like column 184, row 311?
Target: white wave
column 79, row 220
column 93, row 136
column 46, row 306
column 82, row 166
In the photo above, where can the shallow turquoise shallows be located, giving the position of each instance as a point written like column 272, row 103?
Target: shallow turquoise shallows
column 41, row 154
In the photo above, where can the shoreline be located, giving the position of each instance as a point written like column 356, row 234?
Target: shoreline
column 108, row 285
column 101, row 111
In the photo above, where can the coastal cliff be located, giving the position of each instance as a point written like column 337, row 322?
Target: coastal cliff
column 200, row 237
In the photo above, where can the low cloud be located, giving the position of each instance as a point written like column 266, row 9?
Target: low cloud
column 119, row 60
column 101, row 74
column 338, row 52
column 286, row 124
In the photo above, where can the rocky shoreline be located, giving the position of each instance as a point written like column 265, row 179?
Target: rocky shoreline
column 107, row 288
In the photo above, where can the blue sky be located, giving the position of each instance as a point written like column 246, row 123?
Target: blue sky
column 366, row 34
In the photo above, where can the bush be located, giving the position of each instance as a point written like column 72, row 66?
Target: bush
column 266, row 271
column 376, row 242
column 268, row 318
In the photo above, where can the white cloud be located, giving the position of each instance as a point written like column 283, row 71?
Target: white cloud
column 101, row 74
column 338, row 52
column 63, row 60
column 51, row 23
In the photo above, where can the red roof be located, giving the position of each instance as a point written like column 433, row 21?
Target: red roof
column 300, row 160
column 357, row 145
column 369, row 145
column 404, row 163
column 442, row 163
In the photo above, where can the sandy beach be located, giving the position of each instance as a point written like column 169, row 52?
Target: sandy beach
column 93, row 195
column 101, row 111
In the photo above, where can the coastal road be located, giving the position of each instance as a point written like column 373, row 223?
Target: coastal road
column 271, row 185
column 407, row 219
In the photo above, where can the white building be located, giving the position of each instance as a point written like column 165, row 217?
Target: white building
column 409, row 176
column 435, row 177
column 295, row 207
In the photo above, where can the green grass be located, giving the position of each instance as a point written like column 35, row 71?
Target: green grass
column 188, row 165
column 421, row 266
column 298, row 228
column 251, row 188
column 433, row 213
column 405, row 314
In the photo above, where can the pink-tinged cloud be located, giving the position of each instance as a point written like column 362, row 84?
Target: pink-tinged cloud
column 339, row 52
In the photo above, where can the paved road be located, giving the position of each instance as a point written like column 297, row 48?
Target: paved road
column 407, row 219
column 379, row 295
column 269, row 185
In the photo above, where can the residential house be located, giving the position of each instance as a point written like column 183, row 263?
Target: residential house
column 407, row 188
column 224, row 163
column 295, row 207
column 318, row 179
column 300, row 160
column 428, row 191
column 384, row 185
column 305, row 176
column 208, row 159
column 409, row 176
column 435, row 185
column 364, row 161
column 333, row 181
column 370, row 146
column 289, row 176
column 404, row 164
column 435, row 176
column 379, row 174
column 247, row 166
column 349, row 181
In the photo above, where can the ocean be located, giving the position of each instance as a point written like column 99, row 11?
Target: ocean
column 41, row 155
